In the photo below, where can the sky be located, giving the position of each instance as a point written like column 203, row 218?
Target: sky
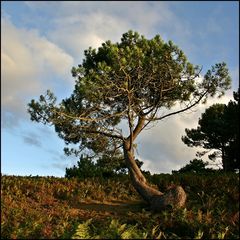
column 42, row 41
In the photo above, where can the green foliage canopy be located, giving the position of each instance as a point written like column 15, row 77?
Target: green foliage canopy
column 129, row 80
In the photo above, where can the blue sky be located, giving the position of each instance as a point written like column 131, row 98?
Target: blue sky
column 41, row 41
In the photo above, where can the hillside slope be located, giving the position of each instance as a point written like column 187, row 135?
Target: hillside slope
column 48, row 207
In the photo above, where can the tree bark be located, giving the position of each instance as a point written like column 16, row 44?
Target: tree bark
column 174, row 197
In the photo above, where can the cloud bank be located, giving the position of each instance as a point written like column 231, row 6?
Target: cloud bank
column 28, row 61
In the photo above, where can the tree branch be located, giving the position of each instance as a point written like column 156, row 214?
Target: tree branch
column 104, row 134
column 182, row 110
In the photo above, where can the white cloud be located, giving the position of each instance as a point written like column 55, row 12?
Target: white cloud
column 235, row 78
column 82, row 33
column 28, row 61
column 32, row 139
column 76, row 26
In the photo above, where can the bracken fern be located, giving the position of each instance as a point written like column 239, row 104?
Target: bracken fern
column 83, row 230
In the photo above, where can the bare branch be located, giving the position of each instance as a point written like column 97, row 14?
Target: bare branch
column 182, row 110
column 88, row 119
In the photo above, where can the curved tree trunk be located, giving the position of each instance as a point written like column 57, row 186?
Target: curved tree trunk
column 174, row 197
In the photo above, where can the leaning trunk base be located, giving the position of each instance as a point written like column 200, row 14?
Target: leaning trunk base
column 174, row 198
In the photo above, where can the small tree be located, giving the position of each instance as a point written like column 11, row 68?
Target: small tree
column 104, row 166
column 85, row 169
column 218, row 130
column 135, row 82
column 195, row 166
